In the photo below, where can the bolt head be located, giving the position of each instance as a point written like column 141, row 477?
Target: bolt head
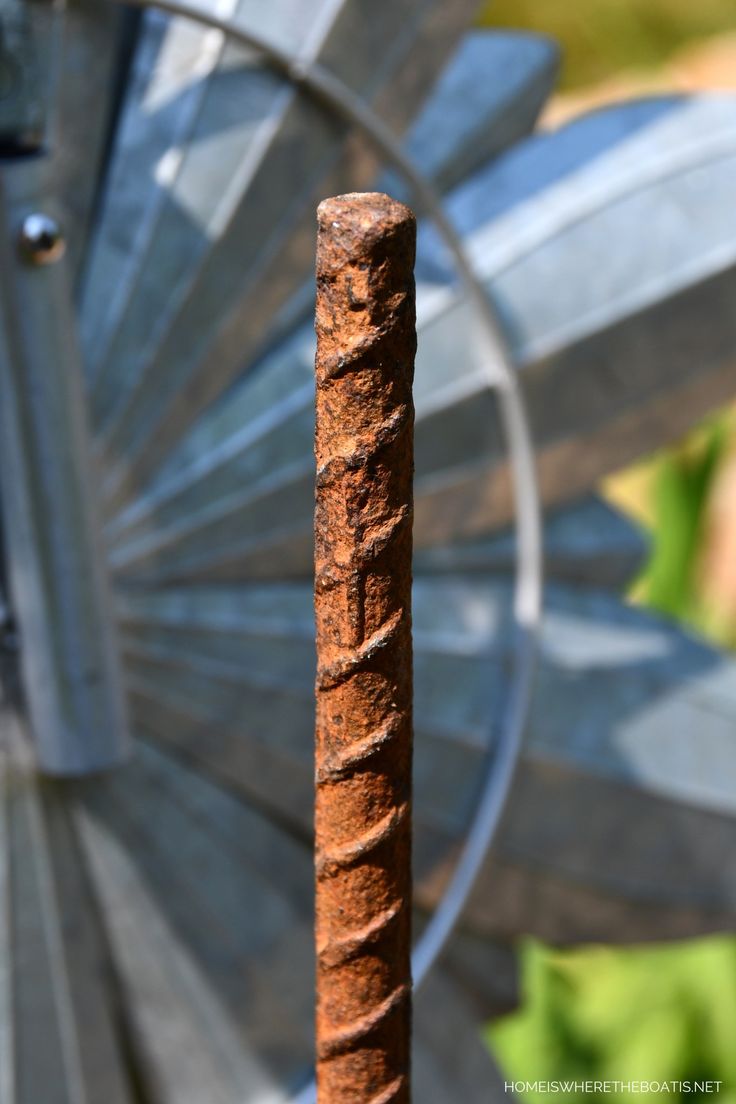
column 41, row 241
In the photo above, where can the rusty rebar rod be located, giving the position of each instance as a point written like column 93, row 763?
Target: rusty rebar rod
column 366, row 341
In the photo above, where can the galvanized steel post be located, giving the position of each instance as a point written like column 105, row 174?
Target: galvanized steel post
column 366, row 341
column 69, row 657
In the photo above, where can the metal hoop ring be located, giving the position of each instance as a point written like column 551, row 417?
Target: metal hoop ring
column 502, row 759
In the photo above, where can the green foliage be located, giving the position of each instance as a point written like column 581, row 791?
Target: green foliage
column 645, row 1014
column 602, row 37
column 683, row 481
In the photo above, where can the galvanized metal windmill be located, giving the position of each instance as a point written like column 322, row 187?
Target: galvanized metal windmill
column 155, row 938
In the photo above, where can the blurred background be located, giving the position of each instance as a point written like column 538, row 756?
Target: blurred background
column 660, row 1011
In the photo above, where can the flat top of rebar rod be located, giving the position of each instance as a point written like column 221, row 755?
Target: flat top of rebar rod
column 364, row 211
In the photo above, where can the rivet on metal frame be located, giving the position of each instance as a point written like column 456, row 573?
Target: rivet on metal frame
column 41, row 241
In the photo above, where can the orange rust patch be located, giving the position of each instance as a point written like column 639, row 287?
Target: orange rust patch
column 366, row 341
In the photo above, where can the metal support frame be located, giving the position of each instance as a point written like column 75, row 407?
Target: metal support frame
column 69, row 656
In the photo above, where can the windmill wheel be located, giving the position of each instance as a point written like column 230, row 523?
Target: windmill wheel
column 155, row 931
column 158, row 194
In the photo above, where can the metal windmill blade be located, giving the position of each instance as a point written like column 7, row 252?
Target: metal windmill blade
column 157, row 485
column 608, row 364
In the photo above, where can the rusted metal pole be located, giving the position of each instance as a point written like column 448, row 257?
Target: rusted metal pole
column 366, row 341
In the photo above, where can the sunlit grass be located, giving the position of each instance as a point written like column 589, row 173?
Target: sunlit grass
column 603, row 37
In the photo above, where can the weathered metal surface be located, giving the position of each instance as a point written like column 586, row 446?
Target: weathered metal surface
column 610, row 368
column 366, row 342
column 56, row 561
column 212, row 324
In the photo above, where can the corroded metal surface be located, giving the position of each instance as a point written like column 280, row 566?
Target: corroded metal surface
column 363, row 522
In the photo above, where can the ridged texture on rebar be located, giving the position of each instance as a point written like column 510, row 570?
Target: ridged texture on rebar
column 363, row 523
